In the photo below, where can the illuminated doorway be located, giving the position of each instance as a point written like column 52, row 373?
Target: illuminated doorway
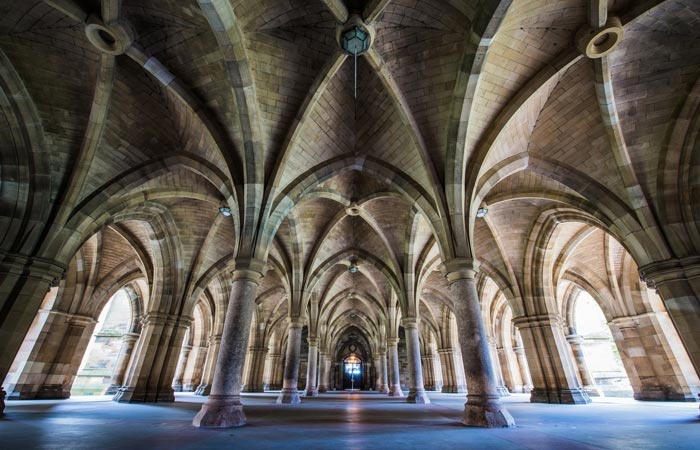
column 352, row 373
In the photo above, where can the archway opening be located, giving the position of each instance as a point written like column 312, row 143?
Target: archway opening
column 100, row 359
column 600, row 351
column 352, row 373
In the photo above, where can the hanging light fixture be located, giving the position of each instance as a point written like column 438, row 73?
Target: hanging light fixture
column 355, row 37
column 225, row 211
column 353, row 266
column 481, row 212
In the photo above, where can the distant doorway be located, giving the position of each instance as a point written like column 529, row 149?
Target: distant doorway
column 352, row 373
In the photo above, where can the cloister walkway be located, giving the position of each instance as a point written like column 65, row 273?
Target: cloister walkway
column 345, row 420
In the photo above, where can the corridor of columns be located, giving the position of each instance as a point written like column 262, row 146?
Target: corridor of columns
column 473, row 200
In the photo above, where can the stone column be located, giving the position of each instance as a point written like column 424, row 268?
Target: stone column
column 395, row 380
column 274, row 363
column 127, row 348
column 483, row 407
column 289, row 393
column 553, row 371
column 23, row 285
column 428, row 371
column 449, row 375
column 204, row 387
column 511, row 375
column 322, row 378
column 55, row 358
column 654, row 358
column 677, row 281
column 311, row 373
column 254, row 380
column 500, row 384
column 524, row 369
column 194, row 369
column 437, row 368
column 152, row 368
column 383, row 382
column 223, row 407
column 587, row 381
column 180, row 371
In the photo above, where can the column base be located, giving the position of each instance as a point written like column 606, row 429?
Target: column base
column 203, row 389
column 451, row 389
column 254, row 389
column 593, row 391
column 311, row 392
column 563, row 396
column 395, row 391
column 220, row 411
column 487, row 413
column 188, row 387
column 290, row 396
column 177, row 387
column 52, row 392
column 660, row 394
column 503, row 391
column 130, row 395
column 417, row 396
column 113, row 389
column 322, row 389
column 383, row 389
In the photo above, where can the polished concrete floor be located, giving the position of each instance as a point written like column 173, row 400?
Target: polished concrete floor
column 348, row 421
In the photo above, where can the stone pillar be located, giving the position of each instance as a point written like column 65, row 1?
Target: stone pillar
column 500, row 384
column 383, row 382
column 204, row 387
column 223, row 407
column 524, row 369
column 416, row 392
column 428, row 371
column 395, row 380
column 377, row 372
column 54, row 361
column 311, row 373
column 437, row 368
column 551, row 363
column 274, row 363
column 483, row 407
column 125, row 352
column 181, row 364
column 587, row 381
column 194, row 369
column 254, row 379
column 677, row 281
column 654, row 358
column 153, row 364
column 322, row 378
column 511, row 374
column 450, row 382
column 289, row 393
column 23, row 285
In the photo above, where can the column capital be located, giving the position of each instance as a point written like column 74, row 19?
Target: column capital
column 460, row 268
column 214, row 339
column 312, row 341
column 670, row 270
column 130, row 337
column 574, row 339
column 296, row 322
column 410, row 322
column 392, row 341
column 32, row 267
column 251, row 269
column 538, row 320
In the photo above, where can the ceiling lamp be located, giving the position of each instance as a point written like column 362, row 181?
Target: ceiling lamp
column 225, row 211
column 355, row 37
column 481, row 212
column 353, row 267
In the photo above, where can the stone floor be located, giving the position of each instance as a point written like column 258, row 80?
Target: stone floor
column 348, row 421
